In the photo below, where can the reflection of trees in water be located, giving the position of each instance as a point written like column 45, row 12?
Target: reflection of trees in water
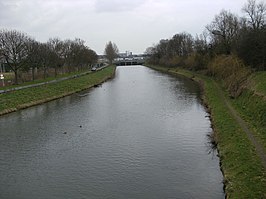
column 181, row 93
column 186, row 91
column 189, row 86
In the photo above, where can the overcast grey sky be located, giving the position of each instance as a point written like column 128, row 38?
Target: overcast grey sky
column 132, row 24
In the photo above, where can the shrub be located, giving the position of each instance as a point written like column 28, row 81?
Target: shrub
column 197, row 61
column 176, row 61
column 232, row 71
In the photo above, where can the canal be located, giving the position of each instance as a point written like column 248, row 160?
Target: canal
column 142, row 134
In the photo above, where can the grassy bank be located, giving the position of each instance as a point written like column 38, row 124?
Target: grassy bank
column 244, row 174
column 257, row 82
column 20, row 99
column 251, row 104
column 10, row 76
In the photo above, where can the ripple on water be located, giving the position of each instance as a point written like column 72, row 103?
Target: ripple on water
column 142, row 135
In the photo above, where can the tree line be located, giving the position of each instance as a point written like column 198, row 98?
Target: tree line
column 229, row 48
column 21, row 53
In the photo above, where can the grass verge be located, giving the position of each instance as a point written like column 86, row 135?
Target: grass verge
column 258, row 82
column 251, row 104
column 252, row 108
column 11, row 76
column 20, row 99
column 244, row 174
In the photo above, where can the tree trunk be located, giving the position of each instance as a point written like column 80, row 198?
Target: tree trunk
column 55, row 71
column 33, row 73
column 44, row 73
column 16, row 76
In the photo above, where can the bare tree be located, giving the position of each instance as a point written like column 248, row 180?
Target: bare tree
column 91, row 56
column 13, row 45
column 223, row 31
column 256, row 13
column 153, row 54
column 111, row 51
column 57, row 47
column 46, row 57
column 171, row 52
column 200, row 44
column 67, row 54
column 34, row 56
column 181, row 44
column 77, row 52
column 149, row 51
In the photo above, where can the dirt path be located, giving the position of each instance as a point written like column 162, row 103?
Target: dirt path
column 258, row 147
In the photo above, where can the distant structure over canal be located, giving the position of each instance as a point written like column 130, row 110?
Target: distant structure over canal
column 126, row 59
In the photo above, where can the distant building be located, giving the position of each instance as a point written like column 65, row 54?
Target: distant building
column 126, row 54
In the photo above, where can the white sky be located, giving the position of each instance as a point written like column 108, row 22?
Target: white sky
column 133, row 25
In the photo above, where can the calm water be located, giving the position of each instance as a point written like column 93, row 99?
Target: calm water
column 141, row 135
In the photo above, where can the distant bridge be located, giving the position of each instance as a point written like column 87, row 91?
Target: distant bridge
column 129, row 61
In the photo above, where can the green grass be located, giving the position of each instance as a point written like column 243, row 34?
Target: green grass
column 252, row 106
column 243, row 171
column 11, row 76
column 31, row 96
column 259, row 82
column 244, row 174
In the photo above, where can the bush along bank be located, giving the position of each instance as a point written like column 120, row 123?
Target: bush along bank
column 242, row 167
column 20, row 99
